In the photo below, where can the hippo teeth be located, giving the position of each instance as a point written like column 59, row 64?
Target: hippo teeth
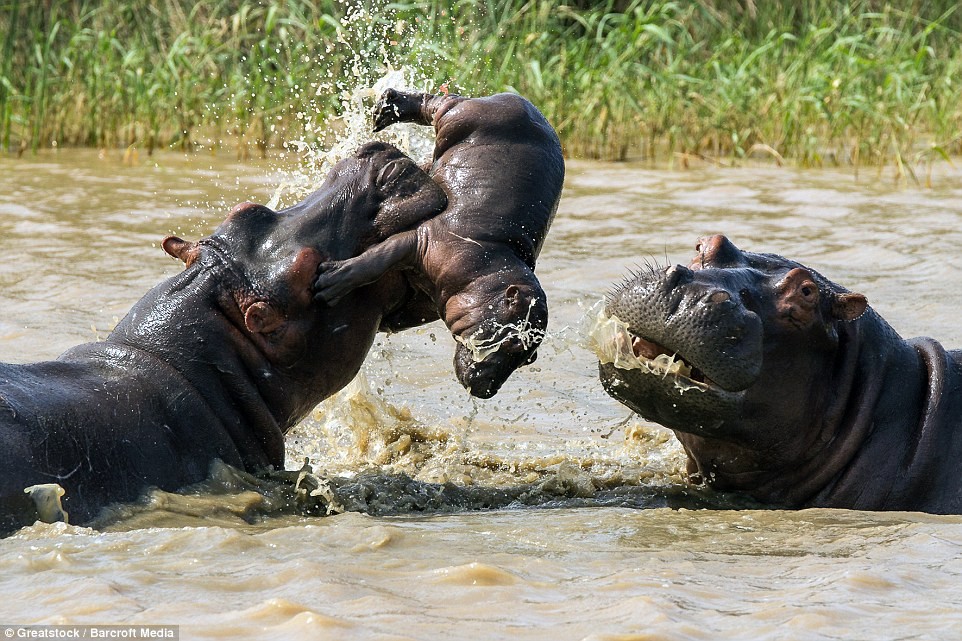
column 652, row 351
column 648, row 349
column 613, row 342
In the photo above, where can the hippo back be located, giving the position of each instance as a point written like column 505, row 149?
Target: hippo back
column 104, row 422
column 501, row 164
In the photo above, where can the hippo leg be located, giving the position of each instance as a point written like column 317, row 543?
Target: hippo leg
column 338, row 278
column 404, row 106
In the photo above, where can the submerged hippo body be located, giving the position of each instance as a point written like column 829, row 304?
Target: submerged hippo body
column 218, row 361
column 501, row 166
column 799, row 394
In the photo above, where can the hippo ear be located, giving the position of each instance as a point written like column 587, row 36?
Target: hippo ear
column 185, row 250
column 848, row 306
column 798, row 296
column 262, row 318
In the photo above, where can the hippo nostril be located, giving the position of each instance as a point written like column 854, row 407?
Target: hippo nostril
column 677, row 274
column 719, row 297
column 716, row 250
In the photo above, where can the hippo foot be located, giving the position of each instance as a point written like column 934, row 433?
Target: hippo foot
column 332, row 282
column 399, row 106
column 338, row 278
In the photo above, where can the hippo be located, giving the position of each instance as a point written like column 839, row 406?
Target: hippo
column 500, row 164
column 784, row 386
column 217, row 362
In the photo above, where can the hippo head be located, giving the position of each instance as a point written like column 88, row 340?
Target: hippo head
column 496, row 333
column 267, row 259
column 726, row 348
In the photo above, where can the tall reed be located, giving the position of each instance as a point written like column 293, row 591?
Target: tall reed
column 862, row 82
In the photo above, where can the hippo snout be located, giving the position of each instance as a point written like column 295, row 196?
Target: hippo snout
column 484, row 390
column 478, row 382
column 717, row 251
column 694, row 316
column 677, row 275
column 484, row 378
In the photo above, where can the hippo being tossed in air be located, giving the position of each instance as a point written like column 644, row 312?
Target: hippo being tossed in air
column 785, row 386
column 500, row 164
column 217, row 362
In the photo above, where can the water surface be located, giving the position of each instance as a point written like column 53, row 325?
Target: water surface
column 584, row 545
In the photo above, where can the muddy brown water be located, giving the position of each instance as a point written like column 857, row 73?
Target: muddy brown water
column 596, row 535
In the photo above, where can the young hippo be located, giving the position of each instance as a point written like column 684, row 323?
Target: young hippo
column 785, row 386
column 500, row 164
column 216, row 362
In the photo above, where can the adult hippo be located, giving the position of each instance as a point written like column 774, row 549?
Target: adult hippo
column 785, row 386
column 218, row 361
column 501, row 166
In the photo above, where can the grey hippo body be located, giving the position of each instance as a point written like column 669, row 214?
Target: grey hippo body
column 501, row 166
column 798, row 393
column 218, row 361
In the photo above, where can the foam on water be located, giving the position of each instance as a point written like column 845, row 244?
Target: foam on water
column 381, row 458
column 358, row 428
column 482, row 343
column 608, row 337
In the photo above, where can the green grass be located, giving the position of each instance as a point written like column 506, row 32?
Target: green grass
column 816, row 81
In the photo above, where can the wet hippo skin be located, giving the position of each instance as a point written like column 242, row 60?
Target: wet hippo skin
column 799, row 394
column 501, row 166
column 218, row 361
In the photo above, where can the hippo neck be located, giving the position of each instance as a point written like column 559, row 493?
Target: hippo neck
column 858, row 404
column 476, row 288
column 519, row 235
column 184, row 323
column 474, row 267
column 906, row 462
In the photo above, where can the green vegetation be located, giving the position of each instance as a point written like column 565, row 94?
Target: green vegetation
column 863, row 82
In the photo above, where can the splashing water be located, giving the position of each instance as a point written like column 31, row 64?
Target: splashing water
column 609, row 339
column 524, row 330
column 353, row 127
column 358, row 428
column 376, row 39
column 359, row 431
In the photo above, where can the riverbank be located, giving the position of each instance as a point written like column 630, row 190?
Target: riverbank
column 816, row 83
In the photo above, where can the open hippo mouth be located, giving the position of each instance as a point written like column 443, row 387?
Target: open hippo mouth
column 678, row 347
column 658, row 383
column 657, row 357
column 617, row 345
